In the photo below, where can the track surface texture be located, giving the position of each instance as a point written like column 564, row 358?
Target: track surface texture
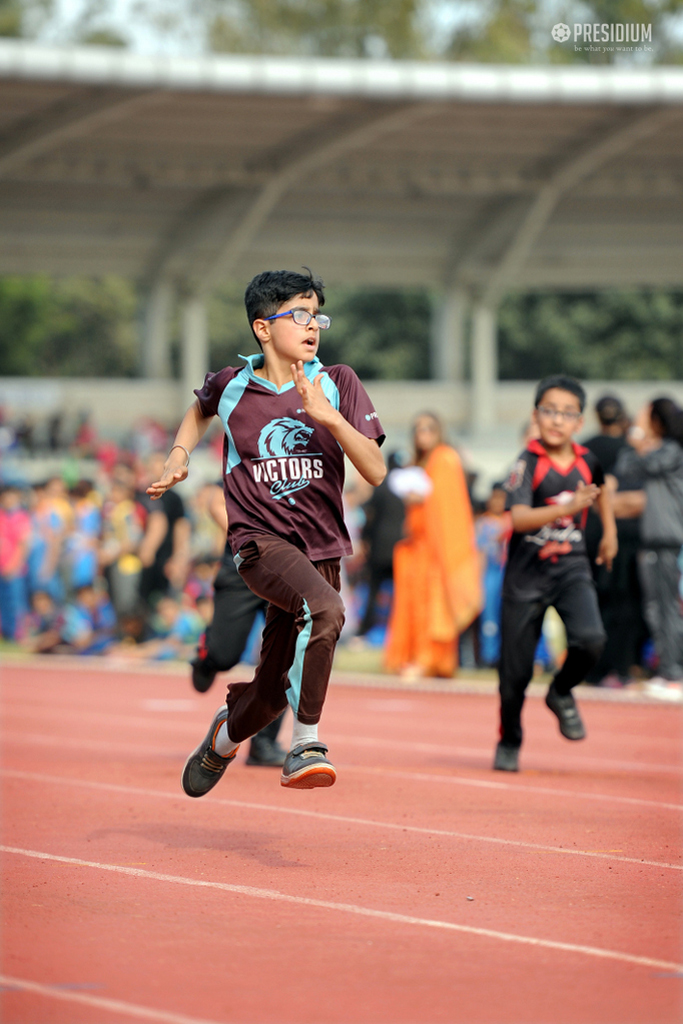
column 423, row 887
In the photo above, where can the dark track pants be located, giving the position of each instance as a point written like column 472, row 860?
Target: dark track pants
column 235, row 608
column 303, row 623
column 577, row 605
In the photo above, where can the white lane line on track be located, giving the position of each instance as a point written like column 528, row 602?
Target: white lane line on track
column 518, row 788
column 92, row 744
column 143, row 750
column 351, row 908
column 113, row 1005
column 604, row 764
column 345, row 819
column 102, row 747
column 447, row 750
column 169, row 722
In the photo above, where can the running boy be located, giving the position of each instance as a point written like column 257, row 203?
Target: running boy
column 288, row 423
column 550, row 490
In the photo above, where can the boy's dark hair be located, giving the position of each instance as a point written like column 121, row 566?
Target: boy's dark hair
column 570, row 384
column 267, row 291
column 609, row 410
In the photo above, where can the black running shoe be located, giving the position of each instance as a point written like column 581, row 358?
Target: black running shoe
column 202, row 674
column 564, row 706
column 506, row 759
column 265, row 753
column 306, row 767
column 204, row 767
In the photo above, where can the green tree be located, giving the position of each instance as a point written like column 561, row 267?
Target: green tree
column 23, row 17
column 332, row 28
column 382, row 334
column 78, row 327
column 10, row 18
column 501, row 34
column 613, row 335
column 519, row 31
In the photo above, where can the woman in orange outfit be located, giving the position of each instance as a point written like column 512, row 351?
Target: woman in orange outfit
column 437, row 575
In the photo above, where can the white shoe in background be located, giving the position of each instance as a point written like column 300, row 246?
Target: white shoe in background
column 664, row 689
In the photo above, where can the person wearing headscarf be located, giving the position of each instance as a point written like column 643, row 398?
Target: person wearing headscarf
column 437, row 578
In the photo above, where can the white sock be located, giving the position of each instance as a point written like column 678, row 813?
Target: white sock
column 223, row 745
column 303, row 733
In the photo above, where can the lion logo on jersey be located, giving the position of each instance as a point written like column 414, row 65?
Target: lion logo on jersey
column 285, row 436
column 284, row 462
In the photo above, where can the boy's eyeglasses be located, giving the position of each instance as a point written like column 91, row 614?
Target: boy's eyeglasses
column 303, row 318
column 563, row 414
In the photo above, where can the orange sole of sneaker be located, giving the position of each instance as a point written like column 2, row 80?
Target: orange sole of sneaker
column 310, row 778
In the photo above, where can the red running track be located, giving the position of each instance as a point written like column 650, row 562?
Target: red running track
column 422, row 887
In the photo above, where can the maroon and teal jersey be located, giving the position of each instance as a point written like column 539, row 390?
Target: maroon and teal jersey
column 538, row 560
column 283, row 472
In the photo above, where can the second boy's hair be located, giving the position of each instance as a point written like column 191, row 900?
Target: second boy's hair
column 570, row 384
column 268, row 291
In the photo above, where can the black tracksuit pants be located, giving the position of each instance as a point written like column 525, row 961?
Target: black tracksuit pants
column 576, row 602
column 235, row 608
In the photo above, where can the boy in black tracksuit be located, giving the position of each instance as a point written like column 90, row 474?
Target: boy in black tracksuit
column 550, row 490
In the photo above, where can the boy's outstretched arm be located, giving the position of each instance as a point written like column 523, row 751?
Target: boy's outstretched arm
column 190, row 433
column 609, row 545
column 363, row 451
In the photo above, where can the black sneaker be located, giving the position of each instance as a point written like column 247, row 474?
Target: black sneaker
column 306, row 767
column 564, row 706
column 204, row 767
column 506, row 759
column 202, row 674
column 263, row 752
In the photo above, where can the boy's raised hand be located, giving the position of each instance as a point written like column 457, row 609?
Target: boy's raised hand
column 169, row 478
column 585, row 496
column 313, row 397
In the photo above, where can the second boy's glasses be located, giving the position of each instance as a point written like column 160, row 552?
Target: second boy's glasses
column 303, row 318
column 563, row 414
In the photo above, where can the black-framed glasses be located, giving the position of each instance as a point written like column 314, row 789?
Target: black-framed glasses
column 563, row 414
column 303, row 318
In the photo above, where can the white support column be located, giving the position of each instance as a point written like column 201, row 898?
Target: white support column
column 194, row 344
column 484, row 361
column 156, row 355
column 448, row 336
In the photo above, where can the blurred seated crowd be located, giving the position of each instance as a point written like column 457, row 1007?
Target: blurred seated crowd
column 96, row 567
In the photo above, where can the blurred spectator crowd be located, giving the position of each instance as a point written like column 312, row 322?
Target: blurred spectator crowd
column 93, row 566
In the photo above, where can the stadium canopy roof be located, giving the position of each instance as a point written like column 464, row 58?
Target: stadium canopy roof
column 379, row 172
column 471, row 178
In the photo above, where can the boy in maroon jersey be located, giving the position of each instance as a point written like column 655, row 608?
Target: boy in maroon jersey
column 550, row 490
column 289, row 422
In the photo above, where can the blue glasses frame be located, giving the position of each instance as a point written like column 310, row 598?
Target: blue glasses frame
column 302, row 318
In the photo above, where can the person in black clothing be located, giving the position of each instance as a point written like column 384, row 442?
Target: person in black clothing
column 164, row 553
column 382, row 530
column 612, row 437
column 220, row 648
column 619, row 592
column 550, row 489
